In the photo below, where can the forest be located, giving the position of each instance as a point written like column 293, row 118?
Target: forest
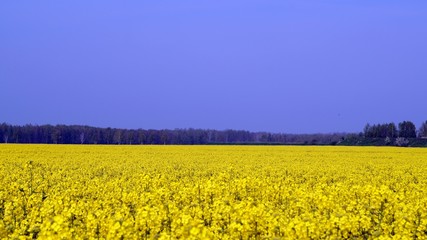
column 403, row 134
column 76, row 134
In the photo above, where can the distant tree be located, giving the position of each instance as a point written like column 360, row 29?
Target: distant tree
column 141, row 137
column 82, row 137
column 391, row 130
column 130, row 137
column 422, row 132
column 5, row 131
column 407, row 129
column 380, row 130
column 164, row 137
column 209, row 135
column 56, row 135
column 153, row 137
column 117, row 137
column 367, row 131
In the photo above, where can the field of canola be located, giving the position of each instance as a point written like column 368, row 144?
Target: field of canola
column 212, row 192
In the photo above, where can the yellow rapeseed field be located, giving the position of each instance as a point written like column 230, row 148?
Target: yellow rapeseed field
column 212, row 192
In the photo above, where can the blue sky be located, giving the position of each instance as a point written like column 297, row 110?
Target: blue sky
column 281, row 66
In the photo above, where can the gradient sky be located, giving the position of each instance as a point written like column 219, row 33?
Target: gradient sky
column 292, row 66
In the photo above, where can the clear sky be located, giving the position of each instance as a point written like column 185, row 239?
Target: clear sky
column 292, row 66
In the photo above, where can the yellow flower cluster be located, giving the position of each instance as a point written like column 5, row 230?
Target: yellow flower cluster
column 212, row 192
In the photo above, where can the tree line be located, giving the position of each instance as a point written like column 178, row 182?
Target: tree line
column 390, row 134
column 405, row 129
column 403, row 134
column 76, row 134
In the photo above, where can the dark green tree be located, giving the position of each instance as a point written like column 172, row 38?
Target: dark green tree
column 391, row 130
column 422, row 132
column 407, row 129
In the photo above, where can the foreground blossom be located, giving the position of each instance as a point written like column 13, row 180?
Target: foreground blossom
column 212, row 192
